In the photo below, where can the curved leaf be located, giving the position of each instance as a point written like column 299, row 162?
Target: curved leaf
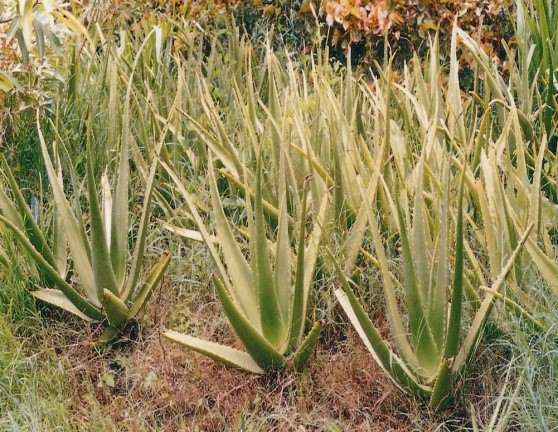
column 57, row 298
column 263, row 353
column 81, row 304
column 221, row 353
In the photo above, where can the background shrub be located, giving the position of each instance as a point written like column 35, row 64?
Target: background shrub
column 363, row 25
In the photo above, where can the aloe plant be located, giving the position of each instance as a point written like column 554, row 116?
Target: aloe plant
column 109, row 287
column 430, row 353
column 265, row 298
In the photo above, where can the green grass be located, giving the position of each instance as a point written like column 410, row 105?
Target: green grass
column 33, row 391
column 536, row 405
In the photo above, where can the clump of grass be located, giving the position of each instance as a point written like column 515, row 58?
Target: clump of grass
column 536, row 405
column 32, row 387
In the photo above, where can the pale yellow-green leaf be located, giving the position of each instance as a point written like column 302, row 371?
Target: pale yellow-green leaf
column 57, row 298
column 71, row 225
column 185, row 232
column 73, row 24
column 484, row 310
column 223, row 354
column 26, row 13
column 106, row 207
column 115, row 309
column 393, row 313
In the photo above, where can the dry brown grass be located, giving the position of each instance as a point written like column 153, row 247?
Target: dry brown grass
column 151, row 384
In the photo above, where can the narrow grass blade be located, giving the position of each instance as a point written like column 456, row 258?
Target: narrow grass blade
column 546, row 266
column 516, row 309
column 271, row 211
column 223, row 354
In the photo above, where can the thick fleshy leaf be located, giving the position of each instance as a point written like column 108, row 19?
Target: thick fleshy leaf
column 103, row 270
column 59, row 235
column 283, row 269
column 456, row 308
column 456, row 119
column 298, row 302
column 238, row 269
column 394, row 367
column 107, row 203
column 39, row 37
column 263, row 353
column 437, row 294
column 393, row 313
column 116, row 311
column 70, row 21
column 441, row 393
column 184, row 232
column 139, row 249
column 467, row 349
column 8, row 82
column 72, row 226
column 120, row 213
column 153, row 279
column 418, row 238
column 270, row 313
column 20, row 214
column 311, row 251
column 57, row 298
column 303, row 353
column 208, row 238
column 25, row 9
column 223, row 354
column 425, row 347
column 81, row 303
